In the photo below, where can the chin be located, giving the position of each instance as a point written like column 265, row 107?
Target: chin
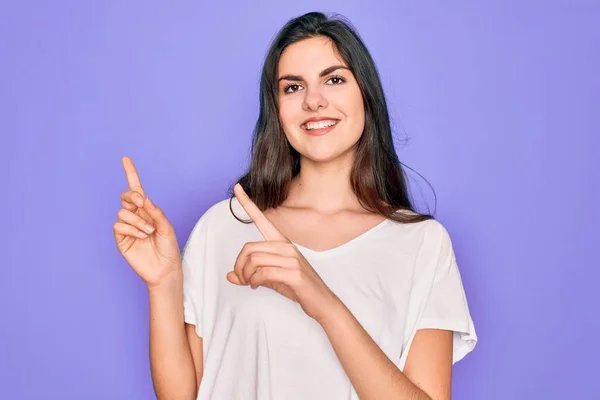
column 325, row 155
column 319, row 159
column 328, row 148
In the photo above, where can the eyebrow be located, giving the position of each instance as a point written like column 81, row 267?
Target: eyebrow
column 326, row 71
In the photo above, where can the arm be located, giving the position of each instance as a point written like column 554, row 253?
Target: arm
column 171, row 361
column 196, row 346
column 427, row 374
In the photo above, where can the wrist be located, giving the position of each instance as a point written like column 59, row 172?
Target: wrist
column 332, row 313
column 172, row 281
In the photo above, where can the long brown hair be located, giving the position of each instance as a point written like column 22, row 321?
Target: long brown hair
column 377, row 176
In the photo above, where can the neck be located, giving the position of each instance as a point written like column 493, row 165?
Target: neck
column 324, row 186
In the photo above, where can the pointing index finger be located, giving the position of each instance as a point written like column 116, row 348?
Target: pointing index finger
column 266, row 228
column 133, row 178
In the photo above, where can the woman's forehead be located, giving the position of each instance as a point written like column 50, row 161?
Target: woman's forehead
column 309, row 56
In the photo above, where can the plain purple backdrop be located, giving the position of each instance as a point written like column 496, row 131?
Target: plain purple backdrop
column 499, row 101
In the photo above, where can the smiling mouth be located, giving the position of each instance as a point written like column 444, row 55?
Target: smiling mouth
column 320, row 127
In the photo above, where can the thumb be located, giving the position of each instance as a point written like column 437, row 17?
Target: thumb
column 233, row 278
column 158, row 216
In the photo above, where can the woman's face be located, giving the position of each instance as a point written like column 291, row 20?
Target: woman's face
column 320, row 104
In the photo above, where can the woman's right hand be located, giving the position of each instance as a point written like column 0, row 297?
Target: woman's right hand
column 154, row 253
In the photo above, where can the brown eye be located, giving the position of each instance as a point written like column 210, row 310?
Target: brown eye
column 291, row 88
column 336, row 80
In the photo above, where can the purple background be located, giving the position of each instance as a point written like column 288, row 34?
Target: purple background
column 500, row 103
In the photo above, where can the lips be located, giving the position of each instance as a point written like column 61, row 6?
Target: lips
column 319, row 126
column 321, row 120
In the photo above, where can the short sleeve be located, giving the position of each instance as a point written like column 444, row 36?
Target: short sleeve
column 439, row 300
column 192, row 262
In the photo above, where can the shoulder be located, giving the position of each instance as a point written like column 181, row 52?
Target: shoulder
column 431, row 230
column 218, row 212
column 424, row 240
column 221, row 218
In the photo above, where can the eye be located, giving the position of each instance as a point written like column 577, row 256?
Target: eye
column 291, row 88
column 336, row 80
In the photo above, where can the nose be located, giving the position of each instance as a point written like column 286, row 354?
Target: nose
column 313, row 100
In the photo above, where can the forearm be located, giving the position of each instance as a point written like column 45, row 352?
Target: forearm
column 372, row 373
column 171, row 361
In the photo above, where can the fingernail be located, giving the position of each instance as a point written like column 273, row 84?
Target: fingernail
column 149, row 228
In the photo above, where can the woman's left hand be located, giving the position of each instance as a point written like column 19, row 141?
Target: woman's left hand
column 278, row 265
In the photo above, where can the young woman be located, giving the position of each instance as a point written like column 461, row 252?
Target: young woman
column 318, row 279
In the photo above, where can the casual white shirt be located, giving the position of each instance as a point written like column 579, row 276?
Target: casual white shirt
column 259, row 345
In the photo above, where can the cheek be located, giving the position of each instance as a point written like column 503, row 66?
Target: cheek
column 287, row 113
column 350, row 102
column 356, row 111
column 359, row 106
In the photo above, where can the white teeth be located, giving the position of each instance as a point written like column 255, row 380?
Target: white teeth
column 320, row 124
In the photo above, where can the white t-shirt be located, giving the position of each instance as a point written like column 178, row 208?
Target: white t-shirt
column 258, row 345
